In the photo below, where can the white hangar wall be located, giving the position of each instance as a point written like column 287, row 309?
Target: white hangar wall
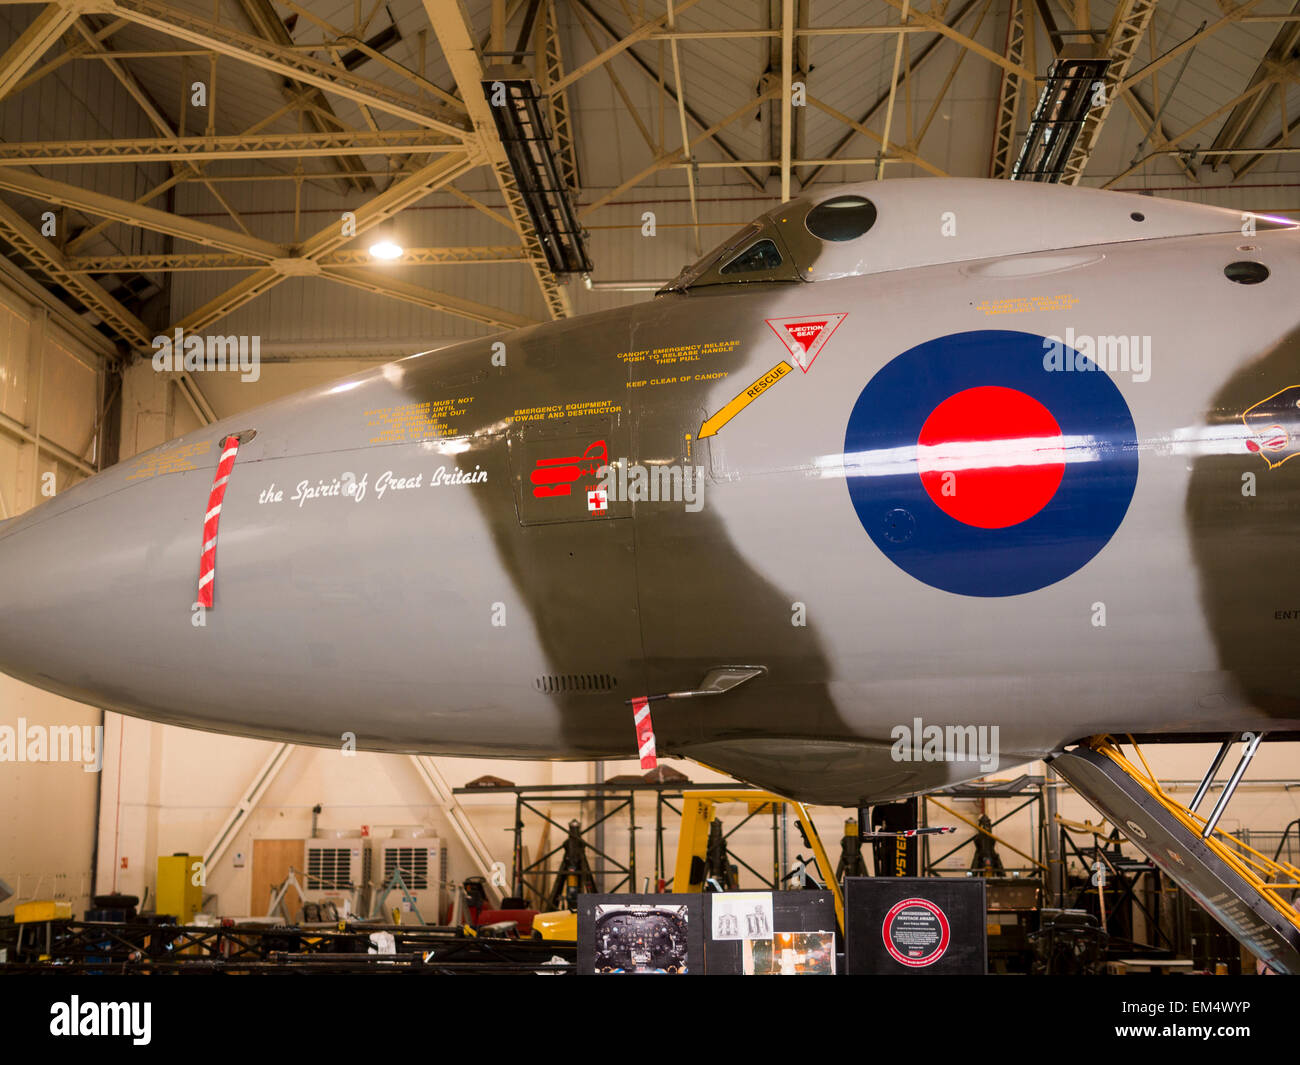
column 51, row 384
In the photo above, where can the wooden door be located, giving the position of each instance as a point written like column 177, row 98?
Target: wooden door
column 272, row 859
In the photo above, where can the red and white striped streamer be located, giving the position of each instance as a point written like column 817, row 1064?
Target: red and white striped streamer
column 645, row 733
column 208, row 559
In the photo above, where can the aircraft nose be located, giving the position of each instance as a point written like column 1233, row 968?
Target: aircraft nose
column 39, row 570
column 84, row 578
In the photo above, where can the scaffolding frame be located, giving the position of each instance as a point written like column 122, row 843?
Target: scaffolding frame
column 1034, row 790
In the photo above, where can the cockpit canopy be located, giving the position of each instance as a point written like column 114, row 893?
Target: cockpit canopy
column 767, row 248
column 875, row 227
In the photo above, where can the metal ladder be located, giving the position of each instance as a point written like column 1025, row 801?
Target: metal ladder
column 1250, row 894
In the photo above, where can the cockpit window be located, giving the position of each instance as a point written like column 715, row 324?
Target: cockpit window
column 755, row 253
column 761, row 255
column 841, row 218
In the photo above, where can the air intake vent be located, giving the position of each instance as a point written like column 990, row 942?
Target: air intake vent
column 554, row 683
column 329, row 868
column 414, row 864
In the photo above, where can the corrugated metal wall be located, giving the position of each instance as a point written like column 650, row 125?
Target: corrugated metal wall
column 50, row 383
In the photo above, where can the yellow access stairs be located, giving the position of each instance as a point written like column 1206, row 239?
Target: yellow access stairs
column 1251, row 895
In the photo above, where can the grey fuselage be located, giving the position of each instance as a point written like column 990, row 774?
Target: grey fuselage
column 458, row 611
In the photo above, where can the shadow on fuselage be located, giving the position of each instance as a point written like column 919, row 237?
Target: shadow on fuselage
column 659, row 604
column 1246, row 543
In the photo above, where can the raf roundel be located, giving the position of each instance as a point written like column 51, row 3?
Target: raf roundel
column 979, row 468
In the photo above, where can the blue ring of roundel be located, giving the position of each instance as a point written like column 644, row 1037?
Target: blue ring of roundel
column 917, row 536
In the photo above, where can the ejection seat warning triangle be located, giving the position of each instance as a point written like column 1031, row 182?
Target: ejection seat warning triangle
column 805, row 337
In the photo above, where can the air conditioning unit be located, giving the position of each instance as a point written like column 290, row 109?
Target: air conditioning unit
column 338, row 869
column 422, row 860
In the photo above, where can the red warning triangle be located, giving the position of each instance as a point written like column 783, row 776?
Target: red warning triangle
column 805, row 337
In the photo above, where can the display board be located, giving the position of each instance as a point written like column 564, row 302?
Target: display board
column 771, row 933
column 621, row 934
column 922, row 925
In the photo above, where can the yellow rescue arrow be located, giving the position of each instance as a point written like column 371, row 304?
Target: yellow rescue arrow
column 713, row 424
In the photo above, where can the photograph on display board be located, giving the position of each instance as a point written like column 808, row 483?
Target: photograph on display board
column 641, row 939
column 651, row 934
column 791, row 954
column 742, row 915
column 743, row 925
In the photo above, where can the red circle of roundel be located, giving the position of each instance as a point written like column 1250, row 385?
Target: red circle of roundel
column 990, row 456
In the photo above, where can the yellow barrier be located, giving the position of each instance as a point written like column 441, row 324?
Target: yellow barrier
column 42, row 910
